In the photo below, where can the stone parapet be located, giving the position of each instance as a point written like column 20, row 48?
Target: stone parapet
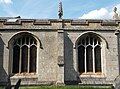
column 53, row 23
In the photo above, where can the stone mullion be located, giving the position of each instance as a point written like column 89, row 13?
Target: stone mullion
column 20, row 64
column 28, row 41
column 93, row 59
column 85, row 61
column 20, row 56
column 29, row 56
column 85, row 57
column 28, row 70
column 93, row 55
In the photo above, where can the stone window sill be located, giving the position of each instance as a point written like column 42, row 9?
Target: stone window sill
column 25, row 75
column 90, row 74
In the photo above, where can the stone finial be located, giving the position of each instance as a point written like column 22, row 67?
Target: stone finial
column 115, row 10
column 60, row 12
column 116, row 17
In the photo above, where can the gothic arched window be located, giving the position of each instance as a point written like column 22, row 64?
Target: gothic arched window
column 24, row 54
column 89, row 54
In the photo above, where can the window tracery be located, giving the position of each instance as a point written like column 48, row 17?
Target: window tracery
column 89, row 54
column 24, row 55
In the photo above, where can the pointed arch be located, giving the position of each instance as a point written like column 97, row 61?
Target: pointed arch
column 89, row 53
column 23, row 53
column 93, row 33
column 19, row 34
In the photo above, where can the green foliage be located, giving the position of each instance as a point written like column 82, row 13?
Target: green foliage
column 63, row 87
column 2, row 87
column 59, row 87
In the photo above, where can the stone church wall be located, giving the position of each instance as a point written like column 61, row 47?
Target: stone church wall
column 110, row 59
column 47, row 56
column 57, row 58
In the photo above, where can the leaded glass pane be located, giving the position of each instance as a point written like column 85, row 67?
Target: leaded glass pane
column 95, row 41
column 89, row 59
column 90, row 44
column 24, row 67
column 31, row 41
column 27, row 40
column 97, row 59
column 23, row 40
column 87, row 40
column 81, row 60
column 83, row 41
column 91, row 40
column 18, row 41
column 16, row 58
column 33, row 53
column 24, row 54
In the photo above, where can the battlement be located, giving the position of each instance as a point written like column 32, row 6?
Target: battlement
column 68, row 24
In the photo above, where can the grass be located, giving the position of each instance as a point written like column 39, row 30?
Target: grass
column 60, row 87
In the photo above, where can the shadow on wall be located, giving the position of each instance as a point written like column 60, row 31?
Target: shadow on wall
column 118, row 40
column 3, row 74
column 71, row 75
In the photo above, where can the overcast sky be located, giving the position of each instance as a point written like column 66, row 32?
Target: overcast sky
column 72, row 9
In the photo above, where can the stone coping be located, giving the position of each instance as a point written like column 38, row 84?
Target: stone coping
column 12, row 21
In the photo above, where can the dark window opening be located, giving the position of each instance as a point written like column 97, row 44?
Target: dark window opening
column 24, row 60
column 89, row 54
column 16, row 59
column 24, row 55
column 97, row 59
column 81, row 62
column 33, row 53
column 89, row 59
